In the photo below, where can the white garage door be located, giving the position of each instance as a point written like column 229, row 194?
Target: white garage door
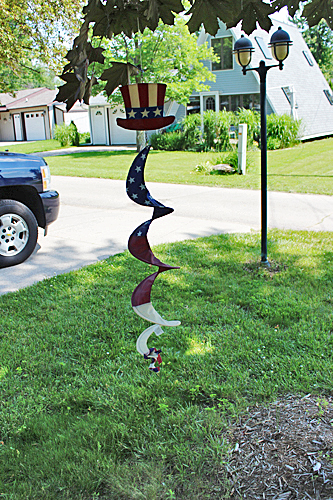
column 120, row 135
column 99, row 132
column 35, row 126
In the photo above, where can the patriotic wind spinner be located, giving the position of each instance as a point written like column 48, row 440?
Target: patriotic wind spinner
column 144, row 111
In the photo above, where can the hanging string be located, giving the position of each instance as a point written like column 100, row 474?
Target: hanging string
column 140, row 45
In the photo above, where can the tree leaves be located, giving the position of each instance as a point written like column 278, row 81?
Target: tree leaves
column 75, row 90
column 33, row 32
column 129, row 16
column 317, row 10
column 251, row 13
column 293, row 5
column 118, row 74
column 108, row 18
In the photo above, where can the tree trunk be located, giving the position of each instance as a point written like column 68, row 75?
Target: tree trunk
column 140, row 139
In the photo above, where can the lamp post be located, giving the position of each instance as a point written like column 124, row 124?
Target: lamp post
column 279, row 43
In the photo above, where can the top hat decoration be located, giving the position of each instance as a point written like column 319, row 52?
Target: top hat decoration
column 144, row 104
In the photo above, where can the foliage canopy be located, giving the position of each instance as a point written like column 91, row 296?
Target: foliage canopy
column 32, row 31
column 170, row 54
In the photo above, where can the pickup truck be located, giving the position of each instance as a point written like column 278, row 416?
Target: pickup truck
column 26, row 202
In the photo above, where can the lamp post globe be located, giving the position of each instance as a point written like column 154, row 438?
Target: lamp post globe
column 280, row 43
column 243, row 51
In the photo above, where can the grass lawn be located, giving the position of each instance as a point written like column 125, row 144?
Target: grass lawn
column 306, row 168
column 81, row 416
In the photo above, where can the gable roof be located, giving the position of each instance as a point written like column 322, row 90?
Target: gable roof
column 302, row 74
column 27, row 98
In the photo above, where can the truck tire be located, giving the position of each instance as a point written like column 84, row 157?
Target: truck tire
column 18, row 233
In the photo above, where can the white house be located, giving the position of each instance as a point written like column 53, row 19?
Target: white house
column 29, row 116
column 300, row 89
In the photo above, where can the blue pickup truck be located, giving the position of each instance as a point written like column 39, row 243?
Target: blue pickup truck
column 26, row 202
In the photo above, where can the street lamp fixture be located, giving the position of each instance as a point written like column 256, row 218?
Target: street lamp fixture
column 243, row 49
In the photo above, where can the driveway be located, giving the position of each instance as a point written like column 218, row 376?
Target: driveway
column 96, row 219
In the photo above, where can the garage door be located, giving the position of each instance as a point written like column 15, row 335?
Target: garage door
column 120, row 135
column 99, row 132
column 35, row 126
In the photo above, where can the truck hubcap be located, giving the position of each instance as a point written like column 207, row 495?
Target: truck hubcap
column 14, row 234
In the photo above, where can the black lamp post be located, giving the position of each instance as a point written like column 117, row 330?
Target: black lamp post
column 279, row 43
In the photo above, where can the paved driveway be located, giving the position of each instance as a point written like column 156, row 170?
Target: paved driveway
column 96, row 218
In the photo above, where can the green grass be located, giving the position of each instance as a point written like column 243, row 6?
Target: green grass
column 33, row 147
column 306, row 168
column 81, row 416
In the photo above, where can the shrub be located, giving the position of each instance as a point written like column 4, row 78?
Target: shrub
column 168, row 141
column 67, row 135
column 273, row 143
column 84, row 137
column 282, row 131
column 216, row 130
column 252, row 120
column 191, row 126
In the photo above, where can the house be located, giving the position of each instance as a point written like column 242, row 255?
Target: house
column 300, row 89
column 29, row 116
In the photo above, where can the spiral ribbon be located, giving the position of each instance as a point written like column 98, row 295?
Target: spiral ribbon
column 139, row 247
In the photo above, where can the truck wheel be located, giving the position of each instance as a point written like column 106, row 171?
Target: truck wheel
column 18, row 233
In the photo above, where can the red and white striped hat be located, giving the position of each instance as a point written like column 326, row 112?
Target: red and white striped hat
column 144, row 104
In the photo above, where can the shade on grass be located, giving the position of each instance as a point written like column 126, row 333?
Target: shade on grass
column 82, row 415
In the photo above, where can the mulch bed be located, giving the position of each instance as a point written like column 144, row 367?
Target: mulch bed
column 283, row 451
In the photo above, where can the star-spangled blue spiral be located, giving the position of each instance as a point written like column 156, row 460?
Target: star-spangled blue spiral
column 135, row 183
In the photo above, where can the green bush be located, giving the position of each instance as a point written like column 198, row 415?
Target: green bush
column 67, row 135
column 282, row 131
column 216, row 130
column 252, row 120
column 191, row 126
column 84, row 137
column 168, row 141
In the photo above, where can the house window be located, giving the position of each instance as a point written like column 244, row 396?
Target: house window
column 263, row 47
column 233, row 102
column 307, row 57
column 288, row 92
column 210, row 103
column 32, row 116
column 27, row 116
column 329, row 96
column 223, row 49
column 37, row 115
column 98, row 113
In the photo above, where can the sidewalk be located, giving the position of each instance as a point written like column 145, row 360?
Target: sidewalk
column 85, row 149
column 76, row 149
